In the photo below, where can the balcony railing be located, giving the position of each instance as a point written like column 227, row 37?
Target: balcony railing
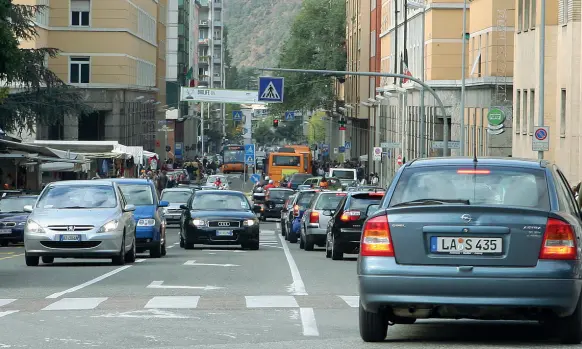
column 204, row 23
column 217, row 23
column 204, row 41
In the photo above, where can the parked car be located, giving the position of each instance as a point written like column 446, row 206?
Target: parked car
column 273, row 204
column 487, row 238
column 80, row 219
column 316, row 217
column 13, row 218
column 300, row 204
column 287, row 213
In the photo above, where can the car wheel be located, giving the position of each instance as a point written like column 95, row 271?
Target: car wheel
column 164, row 252
column 292, row 238
column 31, row 261
column 282, row 228
column 4, row 243
column 48, row 260
column 251, row 245
column 156, row 251
column 130, row 255
column 309, row 244
column 336, row 253
column 181, row 241
column 188, row 246
column 327, row 250
column 301, row 242
column 373, row 326
column 570, row 327
column 120, row 258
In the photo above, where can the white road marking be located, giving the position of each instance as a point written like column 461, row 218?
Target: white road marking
column 76, row 303
column 145, row 314
column 308, row 322
column 265, row 245
column 88, row 283
column 170, row 247
column 297, row 288
column 352, row 301
column 140, row 260
column 176, row 243
column 173, row 302
column 210, row 264
column 278, row 225
column 271, row 302
column 8, row 312
column 267, row 232
column 160, row 284
column 4, row 302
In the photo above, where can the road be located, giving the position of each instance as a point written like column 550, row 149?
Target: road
column 210, row 297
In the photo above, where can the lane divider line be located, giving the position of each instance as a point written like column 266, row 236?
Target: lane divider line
column 8, row 312
column 308, row 322
column 140, row 260
column 297, row 288
column 88, row 283
column 13, row 256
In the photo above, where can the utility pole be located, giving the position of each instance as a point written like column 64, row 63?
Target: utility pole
column 395, row 40
column 463, row 65
column 542, row 68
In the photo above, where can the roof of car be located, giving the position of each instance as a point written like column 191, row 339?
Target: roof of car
column 469, row 161
column 178, row 189
column 82, row 182
column 130, row 180
column 285, row 189
column 218, row 191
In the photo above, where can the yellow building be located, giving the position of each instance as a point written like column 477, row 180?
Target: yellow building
column 488, row 72
column 562, row 82
column 109, row 49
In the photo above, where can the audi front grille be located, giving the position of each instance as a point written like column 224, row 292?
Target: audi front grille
column 224, row 224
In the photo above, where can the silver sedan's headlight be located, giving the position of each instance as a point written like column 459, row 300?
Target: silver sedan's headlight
column 33, row 227
column 109, row 226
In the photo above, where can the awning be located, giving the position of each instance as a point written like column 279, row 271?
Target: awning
column 28, row 148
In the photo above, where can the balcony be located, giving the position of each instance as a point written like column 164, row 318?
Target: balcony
column 204, row 60
column 217, row 23
column 204, row 79
column 203, row 41
column 217, row 41
column 204, row 23
column 217, row 77
column 216, row 60
column 217, row 3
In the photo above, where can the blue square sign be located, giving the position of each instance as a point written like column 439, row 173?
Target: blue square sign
column 271, row 89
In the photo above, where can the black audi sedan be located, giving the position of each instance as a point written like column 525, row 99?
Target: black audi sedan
column 219, row 217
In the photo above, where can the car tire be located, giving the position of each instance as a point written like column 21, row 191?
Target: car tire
column 309, row 244
column 47, row 259
column 31, row 261
column 181, row 241
column 301, row 242
column 252, row 245
column 327, row 250
column 293, row 238
column 570, row 327
column 336, row 253
column 131, row 254
column 188, row 246
column 282, row 228
column 164, row 252
column 373, row 326
column 120, row 258
column 4, row 243
column 156, row 251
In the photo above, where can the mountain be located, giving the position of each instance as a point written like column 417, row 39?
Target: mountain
column 257, row 29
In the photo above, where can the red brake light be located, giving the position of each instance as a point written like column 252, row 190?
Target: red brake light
column 314, row 217
column 340, row 194
column 380, row 193
column 559, row 241
column 473, row 171
column 376, row 240
column 350, row 216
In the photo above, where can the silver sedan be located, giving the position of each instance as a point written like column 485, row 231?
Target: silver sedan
column 80, row 219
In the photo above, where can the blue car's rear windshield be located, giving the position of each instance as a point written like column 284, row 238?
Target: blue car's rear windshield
column 500, row 186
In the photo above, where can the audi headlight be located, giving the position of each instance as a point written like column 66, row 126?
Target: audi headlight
column 199, row 222
column 21, row 224
column 146, row 222
column 109, row 226
column 250, row 222
column 33, row 227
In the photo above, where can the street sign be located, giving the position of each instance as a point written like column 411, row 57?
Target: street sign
column 342, row 149
column 255, row 178
column 271, row 89
column 348, row 145
column 289, row 115
column 237, row 115
column 541, row 139
column 335, row 150
column 377, row 154
column 390, row 145
column 441, row 145
column 399, row 160
column 165, row 128
column 250, row 154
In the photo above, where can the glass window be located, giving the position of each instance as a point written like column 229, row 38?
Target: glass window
column 279, row 194
column 234, row 156
column 329, row 201
column 176, row 196
column 78, row 196
column 304, row 199
column 500, row 186
column 286, row 160
column 343, row 174
column 361, row 203
column 220, row 202
column 80, row 72
column 15, row 204
column 137, row 194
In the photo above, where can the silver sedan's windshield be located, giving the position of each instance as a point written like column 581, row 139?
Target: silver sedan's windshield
column 90, row 196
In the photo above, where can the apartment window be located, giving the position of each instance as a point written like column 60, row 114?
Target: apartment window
column 517, row 111
column 146, row 74
column 533, row 19
column 526, row 14
column 563, row 99
column 524, row 113
column 563, row 12
column 519, row 15
column 79, row 72
column 42, row 16
column 146, row 26
column 532, row 108
column 373, row 44
column 216, row 34
column 80, row 10
column 372, row 5
column 163, row 14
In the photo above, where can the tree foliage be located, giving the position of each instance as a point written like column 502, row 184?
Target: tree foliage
column 317, row 41
column 37, row 94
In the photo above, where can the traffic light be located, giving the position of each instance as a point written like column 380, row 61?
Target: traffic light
column 342, row 124
column 276, row 123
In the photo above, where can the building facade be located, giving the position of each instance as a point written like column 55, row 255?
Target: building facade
column 112, row 59
column 562, row 82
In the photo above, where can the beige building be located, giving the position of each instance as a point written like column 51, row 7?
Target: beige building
column 109, row 49
column 488, row 73
column 562, row 82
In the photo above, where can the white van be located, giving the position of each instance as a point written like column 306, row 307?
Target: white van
column 345, row 175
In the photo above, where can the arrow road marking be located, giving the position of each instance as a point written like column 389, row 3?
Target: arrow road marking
column 160, row 284
column 210, row 265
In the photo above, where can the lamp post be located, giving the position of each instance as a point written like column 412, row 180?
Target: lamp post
column 542, row 68
column 463, row 67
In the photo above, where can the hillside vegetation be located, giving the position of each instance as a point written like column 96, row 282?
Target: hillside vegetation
column 257, row 29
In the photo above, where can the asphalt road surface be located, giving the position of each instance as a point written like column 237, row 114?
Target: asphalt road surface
column 214, row 297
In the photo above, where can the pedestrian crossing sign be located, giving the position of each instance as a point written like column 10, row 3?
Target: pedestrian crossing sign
column 237, row 115
column 271, row 89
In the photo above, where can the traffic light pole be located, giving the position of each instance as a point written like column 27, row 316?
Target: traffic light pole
column 389, row 75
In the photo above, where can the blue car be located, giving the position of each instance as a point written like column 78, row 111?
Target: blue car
column 13, row 218
column 150, row 231
column 300, row 204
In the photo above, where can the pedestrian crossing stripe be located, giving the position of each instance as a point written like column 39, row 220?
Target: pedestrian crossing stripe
column 270, row 92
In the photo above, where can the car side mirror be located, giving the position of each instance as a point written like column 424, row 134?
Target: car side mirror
column 257, row 209
column 163, row 204
column 129, row 208
column 27, row 208
column 183, row 207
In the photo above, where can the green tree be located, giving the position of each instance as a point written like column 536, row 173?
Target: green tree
column 316, row 128
column 37, row 94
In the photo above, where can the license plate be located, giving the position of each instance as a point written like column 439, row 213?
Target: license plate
column 70, row 237
column 224, row 233
column 5, row 231
column 279, row 206
column 464, row 245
